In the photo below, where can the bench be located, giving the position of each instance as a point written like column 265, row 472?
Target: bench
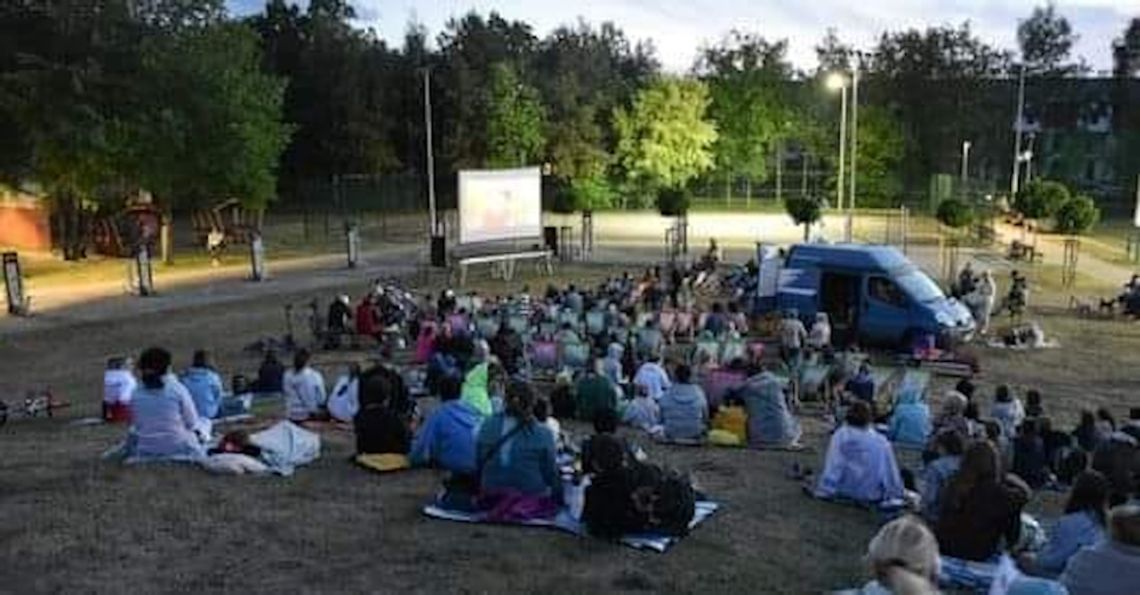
column 504, row 263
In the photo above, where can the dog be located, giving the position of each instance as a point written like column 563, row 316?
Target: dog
column 1107, row 306
column 1082, row 307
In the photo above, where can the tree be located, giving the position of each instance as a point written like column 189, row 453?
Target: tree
column 514, row 120
column 665, row 138
column 1126, row 52
column 882, row 145
column 1046, row 39
column 955, row 213
column 805, row 211
column 1040, row 199
column 832, row 55
column 673, row 201
column 1076, row 215
column 747, row 78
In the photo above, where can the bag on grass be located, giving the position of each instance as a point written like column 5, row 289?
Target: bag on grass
column 639, row 498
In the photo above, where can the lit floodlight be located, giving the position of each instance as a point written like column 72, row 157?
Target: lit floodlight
column 836, row 81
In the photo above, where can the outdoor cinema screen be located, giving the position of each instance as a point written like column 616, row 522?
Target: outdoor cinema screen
column 501, row 204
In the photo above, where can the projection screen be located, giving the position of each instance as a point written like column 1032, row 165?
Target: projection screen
column 502, row 204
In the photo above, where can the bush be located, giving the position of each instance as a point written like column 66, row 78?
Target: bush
column 804, row 211
column 673, row 202
column 1040, row 199
column 955, row 213
column 1076, row 215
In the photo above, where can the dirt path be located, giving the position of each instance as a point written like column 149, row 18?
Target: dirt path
column 1053, row 248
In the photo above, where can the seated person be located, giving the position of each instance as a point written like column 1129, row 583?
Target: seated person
column 1118, row 458
column 118, row 385
column 1081, row 526
column 652, row 378
column 563, row 400
column 948, row 449
column 860, row 464
column 606, row 512
column 567, row 334
column 380, row 425
column 269, row 375
column 910, row 420
column 612, row 366
column 819, row 337
column 1029, row 461
column 605, row 424
column 770, row 420
column 164, row 421
column 1033, row 407
column 304, row 390
column 204, row 384
column 367, row 322
column 1112, row 566
column 594, row 392
column 519, row 453
column 508, row 347
column 344, row 400
column 477, row 380
column 643, row 412
column 980, row 508
column 339, row 316
column 862, row 385
column 715, row 322
column 903, row 558
column 447, row 439
column 684, row 408
column 1007, row 411
column 953, row 416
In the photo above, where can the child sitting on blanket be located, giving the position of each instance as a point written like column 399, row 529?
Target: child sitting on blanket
column 380, row 424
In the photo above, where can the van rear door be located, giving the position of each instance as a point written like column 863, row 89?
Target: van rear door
column 884, row 311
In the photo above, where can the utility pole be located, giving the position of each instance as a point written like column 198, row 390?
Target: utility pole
column 432, row 220
column 1013, row 181
column 842, row 145
column 854, row 134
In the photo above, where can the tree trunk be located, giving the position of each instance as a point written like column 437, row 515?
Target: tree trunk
column 728, row 189
column 807, row 232
column 70, row 236
column 748, row 191
column 166, row 238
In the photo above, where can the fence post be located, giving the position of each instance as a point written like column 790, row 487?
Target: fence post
column 14, row 284
column 905, row 228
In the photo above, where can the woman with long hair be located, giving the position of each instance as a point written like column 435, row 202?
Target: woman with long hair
column 516, row 456
column 903, row 558
column 164, row 419
column 1082, row 525
column 304, row 390
column 980, row 507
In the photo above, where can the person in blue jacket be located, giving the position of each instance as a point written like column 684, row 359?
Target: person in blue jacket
column 1082, row 525
column 910, row 422
column 204, row 384
column 447, row 438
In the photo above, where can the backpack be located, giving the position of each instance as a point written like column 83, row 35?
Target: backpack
column 639, row 498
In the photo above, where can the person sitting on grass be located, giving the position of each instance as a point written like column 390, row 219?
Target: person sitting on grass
column 594, row 392
column 903, row 558
column 164, row 421
column 1033, row 407
column 684, row 409
column 270, row 375
column 948, row 449
column 652, row 377
column 520, row 477
column 1007, row 411
column 862, row 385
column 1029, row 460
column 1082, row 525
column 1087, row 433
column 605, row 424
column 643, row 412
column 819, row 338
column 952, row 418
column 204, row 384
column 860, row 465
column 339, row 317
column 344, row 400
column 304, row 390
column 1111, row 566
column 476, row 382
column 980, row 507
column 380, row 424
column 447, row 439
column 612, row 366
column 770, row 420
column 118, row 385
column 910, row 420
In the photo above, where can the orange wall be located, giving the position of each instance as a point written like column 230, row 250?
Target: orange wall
column 24, row 226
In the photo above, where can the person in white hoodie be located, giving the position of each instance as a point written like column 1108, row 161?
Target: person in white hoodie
column 304, row 390
column 344, row 400
column 684, row 408
column 119, row 384
column 652, row 378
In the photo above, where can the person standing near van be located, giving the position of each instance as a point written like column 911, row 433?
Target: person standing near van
column 792, row 338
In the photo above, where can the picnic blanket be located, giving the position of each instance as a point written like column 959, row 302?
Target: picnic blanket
column 564, row 521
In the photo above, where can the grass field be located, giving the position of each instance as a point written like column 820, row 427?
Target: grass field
column 69, row 522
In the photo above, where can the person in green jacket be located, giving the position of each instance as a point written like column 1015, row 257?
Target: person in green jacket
column 476, row 382
column 594, row 392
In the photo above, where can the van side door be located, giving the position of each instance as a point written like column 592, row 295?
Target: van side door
column 884, row 311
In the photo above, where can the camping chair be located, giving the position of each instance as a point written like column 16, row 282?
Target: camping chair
column 706, row 344
column 568, row 316
column 684, row 326
column 465, row 302
column 595, row 322
column 649, row 342
column 547, row 329
column 814, row 382
column 519, row 324
column 459, row 324
column 732, row 349
column 487, row 326
column 667, row 322
column 543, row 356
column 575, row 355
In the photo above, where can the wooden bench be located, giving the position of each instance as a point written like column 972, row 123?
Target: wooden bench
column 504, row 262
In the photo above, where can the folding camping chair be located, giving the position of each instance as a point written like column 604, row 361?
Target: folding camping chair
column 708, row 345
column 649, row 342
column 543, row 357
column 487, row 326
column 595, row 322
column 732, row 349
column 575, row 356
column 667, row 322
column 684, row 327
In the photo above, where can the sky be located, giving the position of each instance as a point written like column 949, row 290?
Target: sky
column 678, row 28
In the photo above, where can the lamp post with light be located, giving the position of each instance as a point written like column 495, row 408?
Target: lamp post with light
column 838, row 82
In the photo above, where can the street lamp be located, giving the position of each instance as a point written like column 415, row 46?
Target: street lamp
column 837, row 82
column 965, row 161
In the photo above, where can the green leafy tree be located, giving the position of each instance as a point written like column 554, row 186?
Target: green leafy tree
column 514, row 120
column 1040, row 199
column 882, row 145
column 805, row 211
column 665, row 139
column 1046, row 39
column 747, row 78
column 955, row 213
column 1076, row 215
column 1126, row 51
column 673, row 201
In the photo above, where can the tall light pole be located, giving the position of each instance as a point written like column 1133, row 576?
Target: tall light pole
column 849, row 224
column 1014, row 185
column 837, row 82
column 965, row 161
column 432, row 221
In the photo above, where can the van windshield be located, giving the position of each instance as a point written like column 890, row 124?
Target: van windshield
column 919, row 287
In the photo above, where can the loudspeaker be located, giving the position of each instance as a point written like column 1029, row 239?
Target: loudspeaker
column 438, row 252
column 550, row 238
